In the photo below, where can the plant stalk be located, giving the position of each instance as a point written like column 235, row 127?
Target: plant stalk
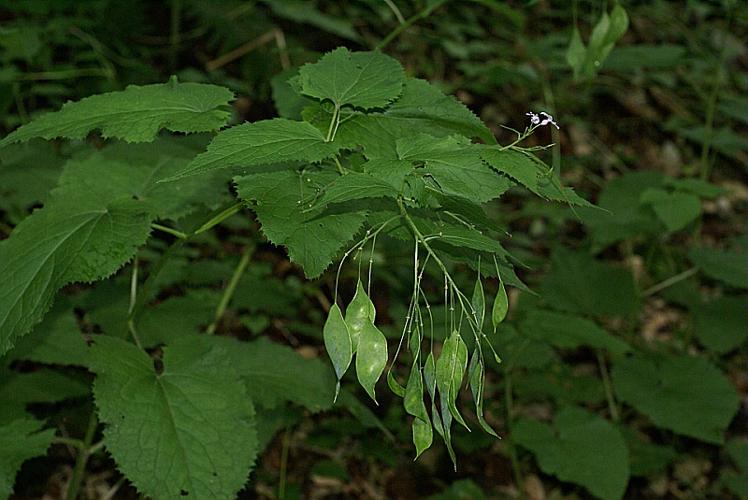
column 81, row 460
column 231, row 288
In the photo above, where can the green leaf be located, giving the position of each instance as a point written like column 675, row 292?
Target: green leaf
column 623, row 216
column 134, row 171
column 675, row 210
column 359, row 314
column 567, row 331
column 723, row 265
column 500, row 306
column 20, row 440
column 40, row 386
column 395, row 386
column 579, row 447
column 721, row 325
column 135, row 114
column 56, row 340
column 355, row 186
column 456, row 167
column 28, row 172
column 361, row 79
column 647, row 458
column 274, row 373
column 575, row 52
column 187, row 431
column 313, row 238
column 261, row 143
column 424, row 108
column 304, row 13
column 684, row 394
column 337, row 341
column 580, row 284
column 74, row 238
column 371, row 357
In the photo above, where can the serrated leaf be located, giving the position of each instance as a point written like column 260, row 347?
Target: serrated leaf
column 274, row 373
column 337, row 341
column 261, row 143
column 134, row 170
column 20, row 440
column 581, row 284
column 723, row 265
column 361, row 79
column 684, row 394
column 579, row 447
column 623, row 216
column 722, row 324
column 75, row 238
column 455, row 167
column 676, row 210
column 371, row 357
column 567, row 331
column 56, row 340
column 41, row 386
column 533, row 174
column 355, row 186
column 135, row 114
column 188, row 431
column 313, row 238
column 423, row 107
column 359, row 313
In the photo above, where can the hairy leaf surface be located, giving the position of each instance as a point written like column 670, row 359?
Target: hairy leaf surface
column 312, row 238
column 361, row 79
column 135, row 114
column 261, row 143
column 20, row 440
column 188, row 431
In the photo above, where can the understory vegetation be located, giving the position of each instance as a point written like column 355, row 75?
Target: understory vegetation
column 374, row 249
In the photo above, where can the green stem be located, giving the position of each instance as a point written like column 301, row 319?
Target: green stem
column 231, row 288
column 77, row 443
column 612, row 407
column 333, row 124
column 509, row 402
column 168, row 230
column 670, row 282
column 422, row 14
column 284, row 464
column 213, row 220
column 82, row 459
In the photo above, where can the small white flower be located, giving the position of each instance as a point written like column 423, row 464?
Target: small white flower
column 548, row 119
column 535, row 119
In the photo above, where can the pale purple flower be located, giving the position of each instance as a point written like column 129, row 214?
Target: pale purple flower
column 536, row 120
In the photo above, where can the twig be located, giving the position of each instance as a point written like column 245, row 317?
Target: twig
column 242, row 50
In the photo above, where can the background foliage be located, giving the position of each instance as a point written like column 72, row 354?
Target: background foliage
column 624, row 363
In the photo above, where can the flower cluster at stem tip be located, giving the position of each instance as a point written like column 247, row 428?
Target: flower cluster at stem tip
column 538, row 121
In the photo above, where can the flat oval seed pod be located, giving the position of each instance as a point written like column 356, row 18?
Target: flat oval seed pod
column 500, row 307
column 450, row 370
column 358, row 313
column 371, row 358
column 479, row 303
column 394, row 385
column 337, row 341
